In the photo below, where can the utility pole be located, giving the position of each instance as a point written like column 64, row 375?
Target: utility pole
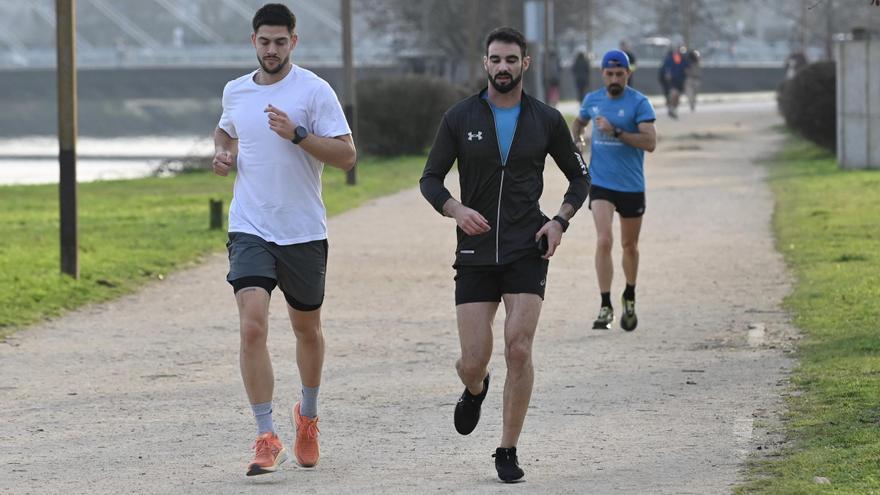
column 829, row 30
column 803, row 25
column 546, row 44
column 65, row 38
column 687, row 14
column 349, row 89
column 588, row 25
column 472, row 52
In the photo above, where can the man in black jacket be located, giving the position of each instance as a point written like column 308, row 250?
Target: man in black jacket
column 501, row 138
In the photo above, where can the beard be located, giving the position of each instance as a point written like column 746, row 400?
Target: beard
column 281, row 65
column 504, row 87
column 615, row 89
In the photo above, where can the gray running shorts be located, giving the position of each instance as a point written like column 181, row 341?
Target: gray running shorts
column 299, row 269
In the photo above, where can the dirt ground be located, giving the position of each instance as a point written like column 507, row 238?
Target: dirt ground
column 143, row 394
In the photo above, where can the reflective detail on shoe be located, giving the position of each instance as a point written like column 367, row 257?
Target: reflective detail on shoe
column 305, row 447
column 467, row 410
column 269, row 454
column 628, row 319
column 603, row 321
column 507, row 465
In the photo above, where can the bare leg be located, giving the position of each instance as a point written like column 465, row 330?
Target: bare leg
column 254, row 360
column 309, row 345
column 603, row 216
column 475, row 335
column 520, row 324
column 629, row 239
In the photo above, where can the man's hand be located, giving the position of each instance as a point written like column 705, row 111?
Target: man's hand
column 280, row 122
column 553, row 231
column 223, row 161
column 468, row 220
column 581, row 145
column 604, row 126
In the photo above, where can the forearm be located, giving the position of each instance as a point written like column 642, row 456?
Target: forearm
column 643, row 140
column 224, row 142
column 449, row 207
column 577, row 129
column 336, row 152
column 567, row 211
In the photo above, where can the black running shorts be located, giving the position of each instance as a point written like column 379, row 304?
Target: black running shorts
column 627, row 204
column 486, row 283
column 299, row 269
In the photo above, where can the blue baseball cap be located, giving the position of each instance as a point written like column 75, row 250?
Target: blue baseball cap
column 614, row 59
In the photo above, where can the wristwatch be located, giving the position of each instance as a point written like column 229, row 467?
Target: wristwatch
column 563, row 222
column 299, row 134
column 617, row 132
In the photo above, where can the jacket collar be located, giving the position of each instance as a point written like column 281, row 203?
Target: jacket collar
column 526, row 99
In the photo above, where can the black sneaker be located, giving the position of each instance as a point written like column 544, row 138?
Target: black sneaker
column 603, row 321
column 628, row 320
column 507, row 465
column 467, row 411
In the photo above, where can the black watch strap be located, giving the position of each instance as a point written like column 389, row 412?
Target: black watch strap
column 299, row 134
column 618, row 131
column 562, row 222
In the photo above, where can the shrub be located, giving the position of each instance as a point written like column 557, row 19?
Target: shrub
column 808, row 103
column 399, row 115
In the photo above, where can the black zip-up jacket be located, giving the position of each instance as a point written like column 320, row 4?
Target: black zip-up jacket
column 506, row 195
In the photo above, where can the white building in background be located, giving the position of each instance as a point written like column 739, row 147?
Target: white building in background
column 858, row 102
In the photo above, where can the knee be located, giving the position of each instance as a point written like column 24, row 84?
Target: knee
column 631, row 248
column 604, row 243
column 307, row 332
column 471, row 366
column 518, row 354
column 253, row 333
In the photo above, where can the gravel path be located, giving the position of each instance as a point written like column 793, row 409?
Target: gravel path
column 143, row 394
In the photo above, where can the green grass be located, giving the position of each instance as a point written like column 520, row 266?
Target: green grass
column 828, row 227
column 135, row 231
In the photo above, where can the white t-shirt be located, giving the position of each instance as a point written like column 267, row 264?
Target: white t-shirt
column 277, row 192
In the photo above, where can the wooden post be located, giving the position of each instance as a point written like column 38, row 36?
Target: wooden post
column 65, row 29
column 350, row 97
column 216, row 208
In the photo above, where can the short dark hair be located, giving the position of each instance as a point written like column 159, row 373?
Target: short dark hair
column 507, row 35
column 274, row 14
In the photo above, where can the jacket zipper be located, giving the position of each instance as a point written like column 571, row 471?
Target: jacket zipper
column 501, row 186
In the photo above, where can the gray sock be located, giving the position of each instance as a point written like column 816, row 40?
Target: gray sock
column 309, row 405
column 263, row 414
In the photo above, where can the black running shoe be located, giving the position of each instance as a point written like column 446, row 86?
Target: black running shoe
column 467, row 411
column 603, row 321
column 628, row 320
column 507, row 465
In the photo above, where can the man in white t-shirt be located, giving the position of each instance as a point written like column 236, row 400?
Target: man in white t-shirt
column 280, row 124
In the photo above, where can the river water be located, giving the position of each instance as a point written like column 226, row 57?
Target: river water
column 34, row 160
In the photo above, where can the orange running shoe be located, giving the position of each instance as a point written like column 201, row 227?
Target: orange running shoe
column 270, row 454
column 306, row 446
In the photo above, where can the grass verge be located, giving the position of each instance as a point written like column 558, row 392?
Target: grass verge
column 828, row 228
column 135, row 231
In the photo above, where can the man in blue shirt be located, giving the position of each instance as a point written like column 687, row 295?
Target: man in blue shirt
column 623, row 130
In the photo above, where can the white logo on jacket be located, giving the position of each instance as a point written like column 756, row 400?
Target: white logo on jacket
column 478, row 135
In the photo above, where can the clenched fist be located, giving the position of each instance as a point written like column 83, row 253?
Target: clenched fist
column 223, row 162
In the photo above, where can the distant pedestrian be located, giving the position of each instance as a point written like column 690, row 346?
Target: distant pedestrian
column 673, row 73
column 693, row 78
column 280, row 125
column 581, row 71
column 552, row 75
column 624, row 47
